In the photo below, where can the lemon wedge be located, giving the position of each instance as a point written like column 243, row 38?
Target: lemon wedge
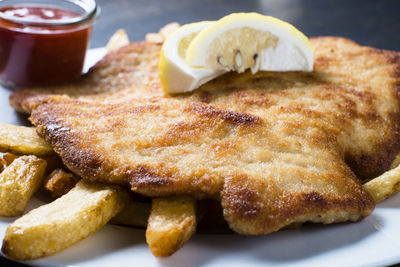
column 175, row 75
column 249, row 40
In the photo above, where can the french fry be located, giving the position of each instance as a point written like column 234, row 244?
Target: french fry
column 63, row 222
column 59, row 182
column 168, row 29
column 163, row 34
column 396, row 162
column 171, row 223
column 156, row 38
column 6, row 159
column 23, row 140
column 118, row 39
column 18, row 182
column 134, row 214
column 385, row 185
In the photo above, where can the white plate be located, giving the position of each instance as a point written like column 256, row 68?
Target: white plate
column 374, row 241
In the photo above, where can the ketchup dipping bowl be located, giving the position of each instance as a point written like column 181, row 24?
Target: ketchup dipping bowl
column 44, row 42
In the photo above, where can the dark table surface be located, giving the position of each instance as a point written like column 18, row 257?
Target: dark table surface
column 368, row 22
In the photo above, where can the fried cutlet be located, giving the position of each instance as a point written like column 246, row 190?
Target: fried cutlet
column 275, row 148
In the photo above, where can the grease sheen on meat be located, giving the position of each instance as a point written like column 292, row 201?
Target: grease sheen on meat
column 275, row 148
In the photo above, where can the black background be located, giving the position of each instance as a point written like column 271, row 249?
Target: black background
column 368, row 22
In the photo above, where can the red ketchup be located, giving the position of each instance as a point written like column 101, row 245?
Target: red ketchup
column 36, row 52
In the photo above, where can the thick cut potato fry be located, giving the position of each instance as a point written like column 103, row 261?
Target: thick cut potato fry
column 162, row 35
column 155, row 38
column 63, row 222
column 59, row 182
column 171, row 223
column 168, row 29
column 118, row 39
column 385, row 185
column 23, row 140
column 18, row 182
column 396, row 162
column 134, row 214
column 6, row 159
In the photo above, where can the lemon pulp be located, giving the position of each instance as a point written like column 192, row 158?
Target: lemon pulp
column 199, row 52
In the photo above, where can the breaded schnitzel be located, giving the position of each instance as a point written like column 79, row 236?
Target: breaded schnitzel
column 275, row 148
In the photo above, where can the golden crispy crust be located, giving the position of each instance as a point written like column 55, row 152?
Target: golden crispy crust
column 113, row 73
column 275, row 148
